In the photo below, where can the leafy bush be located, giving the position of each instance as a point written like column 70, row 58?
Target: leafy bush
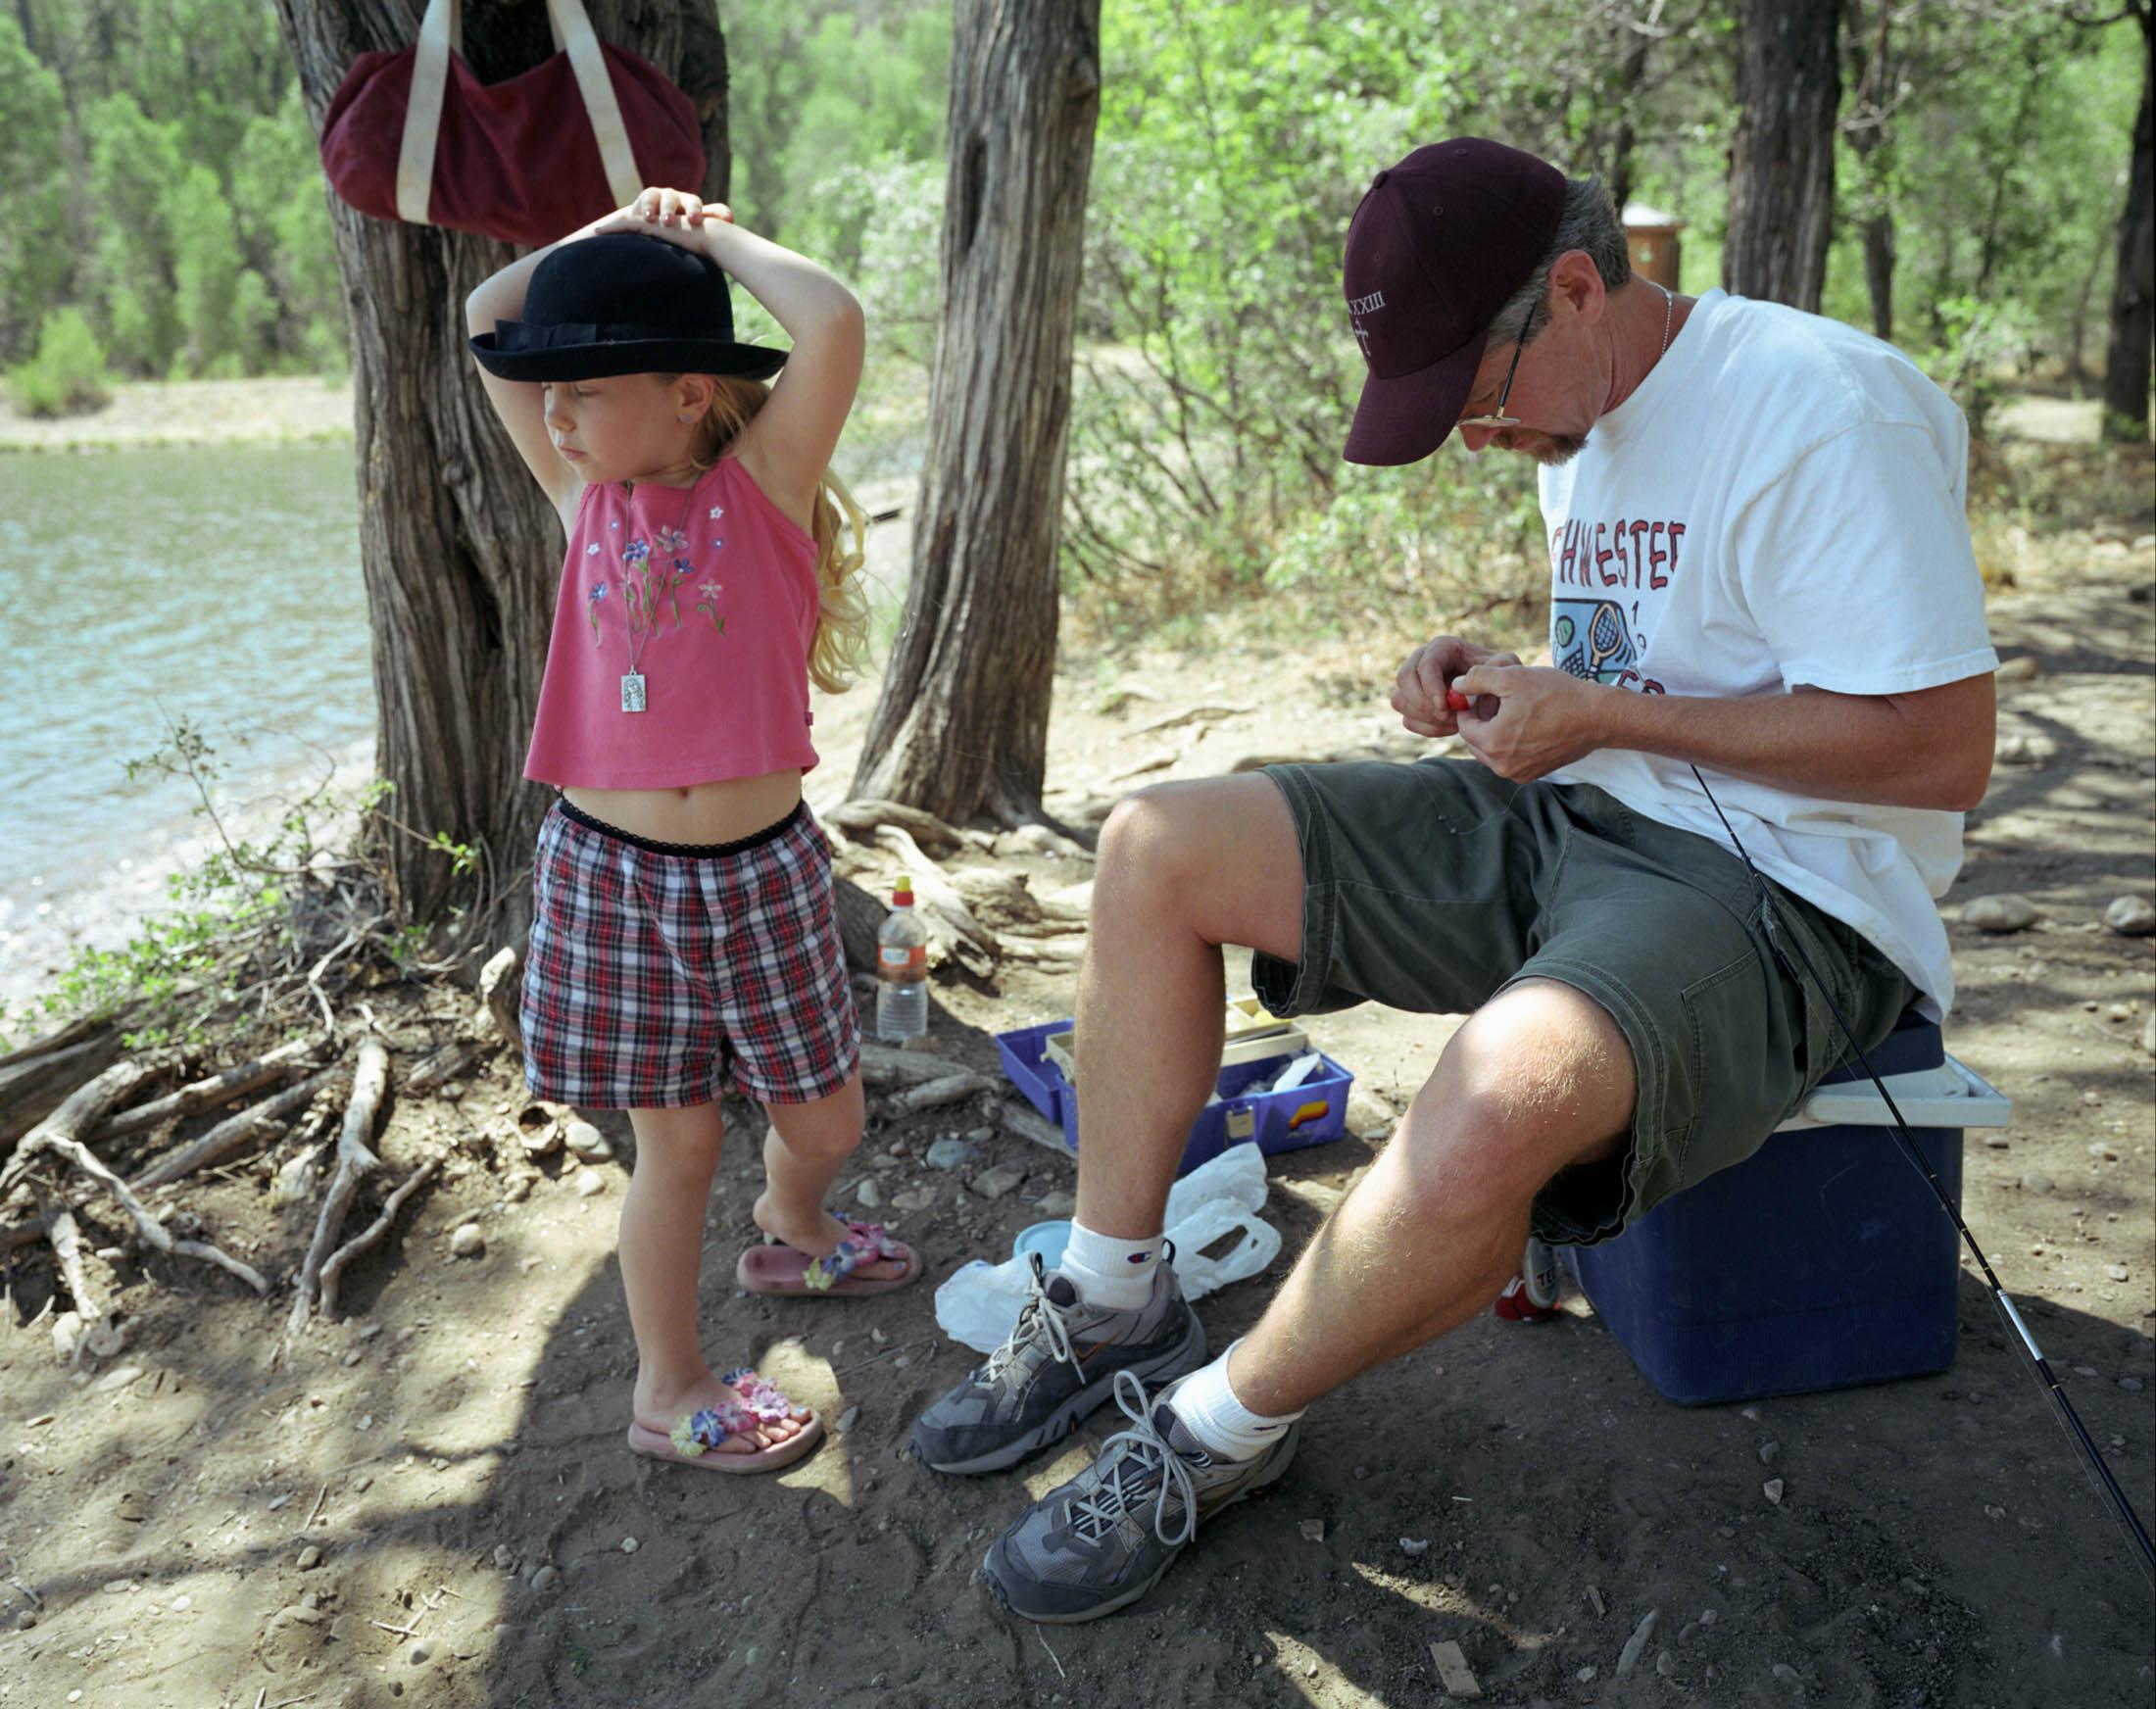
column 67, row 375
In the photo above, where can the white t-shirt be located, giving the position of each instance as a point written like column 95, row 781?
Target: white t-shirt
column 1780, row 503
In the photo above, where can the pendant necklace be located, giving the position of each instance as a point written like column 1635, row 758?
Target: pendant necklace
column 633, row 698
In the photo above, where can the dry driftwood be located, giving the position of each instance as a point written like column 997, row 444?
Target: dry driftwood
column 499, row 983
column 34, row 1080
column 211, row 1094
column 332, row 1269
column 356, row 1162
column 951, row 923
column 79, row 1111
column 948, row 1088
column 861, row 917
column 66, row 1246
column 1028, row 1123
column 860, row 819
column 881, row 1067
column 444, row 1065
column 228, row 1135
column 146, row 1224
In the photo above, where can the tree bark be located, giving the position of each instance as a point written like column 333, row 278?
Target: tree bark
column 2127, row 356
column 1782, row 169
column 1871, row 138
column 961, row 728
column 457, row 547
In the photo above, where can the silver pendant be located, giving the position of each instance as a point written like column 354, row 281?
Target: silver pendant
column 632, row 691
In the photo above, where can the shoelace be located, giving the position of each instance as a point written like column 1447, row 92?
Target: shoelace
column 1096, row 1513
column 1042, row 1311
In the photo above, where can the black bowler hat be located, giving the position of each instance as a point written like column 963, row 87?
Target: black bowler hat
column 621, row 304
column 1439, row 245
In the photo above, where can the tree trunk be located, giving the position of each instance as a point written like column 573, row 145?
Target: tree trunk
column 1871, row 139
column 458, row 549
column 1631, row 67
column 2134, row 287
column 1782, row 169
column 961, row 726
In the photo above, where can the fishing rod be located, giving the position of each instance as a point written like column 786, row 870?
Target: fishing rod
column 2129, row 1520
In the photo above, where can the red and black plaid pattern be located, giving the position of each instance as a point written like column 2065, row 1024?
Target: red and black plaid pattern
column 655, row 980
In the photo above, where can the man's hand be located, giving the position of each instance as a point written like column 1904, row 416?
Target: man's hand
column 1543, row 721
column 1419, row 690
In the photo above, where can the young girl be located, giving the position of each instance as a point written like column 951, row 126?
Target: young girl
column 685, row 934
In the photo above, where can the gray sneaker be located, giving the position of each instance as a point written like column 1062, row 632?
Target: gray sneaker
column 1056, row 1368
column 1104, row 1538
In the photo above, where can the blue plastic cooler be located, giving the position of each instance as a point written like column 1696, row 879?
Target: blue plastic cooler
column 1821, row 1260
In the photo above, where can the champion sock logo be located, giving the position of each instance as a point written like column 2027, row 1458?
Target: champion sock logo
column 1137, row 1257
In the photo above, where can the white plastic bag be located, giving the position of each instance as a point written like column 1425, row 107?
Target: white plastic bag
column 1237, row 1175
column 978, row 1303
column 1258, row 1245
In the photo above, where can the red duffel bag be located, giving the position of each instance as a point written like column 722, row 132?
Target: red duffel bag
column 413, row 135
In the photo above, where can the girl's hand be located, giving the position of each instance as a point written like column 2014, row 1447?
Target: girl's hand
column 673, row 215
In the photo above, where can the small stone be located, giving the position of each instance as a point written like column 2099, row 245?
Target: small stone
column 2036, row 1182
column 505, row 1557
column 2132, row 916
column 2118, row 1011
column 517, row 1187
column 117, row 1379
column 587, row 1141
column 1996, row 1141
column 1773, row 1489
column 1769, row 1452
column 2104, row 1152
column 1313, row 1530
column 419, row 1652
column 1453, row 1672
column 867, row 1195
column 545, row 1579
column 1707, row 1617
column 181, row 1603
column 1787, row 1674
column 1595, row 1596
column 848, row 1419
column 629, row 1546
column 119, row 1586
column 467, row 1241
column 2024, row 669
column 1361, row 1471
column 913, row 1198
column 1056, row 1206
column 1414, row 1546
column 310, row 1558
column 368, row 1332
column 1665, row 1664
column 2006, row 912
column 2131, row 1385
column 1586, row 1674
column 1637, row 1643
column 2117, row 1272
column 950, row 1154
column 980, row 1135
column 992, row 1184
column 2148, row 1034
column 590, row 1183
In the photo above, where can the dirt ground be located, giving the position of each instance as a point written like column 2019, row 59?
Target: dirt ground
column 430, row 1501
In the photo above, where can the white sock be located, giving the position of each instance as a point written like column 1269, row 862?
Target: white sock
column 1108, row 1270
column 1206, row 1403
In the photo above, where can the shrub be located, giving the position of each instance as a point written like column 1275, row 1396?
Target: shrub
column 67, row 375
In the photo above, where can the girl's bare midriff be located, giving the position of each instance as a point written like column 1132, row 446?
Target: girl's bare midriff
column 702, row 813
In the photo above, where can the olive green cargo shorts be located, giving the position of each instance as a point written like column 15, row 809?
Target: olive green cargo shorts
column 1432, row 886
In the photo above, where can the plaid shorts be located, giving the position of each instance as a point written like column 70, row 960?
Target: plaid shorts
column 661, row 974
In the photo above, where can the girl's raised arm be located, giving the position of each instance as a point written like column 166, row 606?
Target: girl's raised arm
column 520, row 404
column 789, row 444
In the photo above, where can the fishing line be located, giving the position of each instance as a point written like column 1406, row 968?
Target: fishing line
column 2070, row 1420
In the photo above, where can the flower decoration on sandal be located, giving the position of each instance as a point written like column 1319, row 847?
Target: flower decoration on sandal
column 764, row 1401
column 867, row 1244
column 695, row 1434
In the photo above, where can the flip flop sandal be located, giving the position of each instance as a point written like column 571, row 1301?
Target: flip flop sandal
column 697, row 1435
column 781, row 1269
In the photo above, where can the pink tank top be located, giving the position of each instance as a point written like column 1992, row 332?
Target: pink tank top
column 696, row 607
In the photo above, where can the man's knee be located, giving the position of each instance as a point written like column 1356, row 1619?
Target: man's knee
column 1538, row 1080
column 1219, row 854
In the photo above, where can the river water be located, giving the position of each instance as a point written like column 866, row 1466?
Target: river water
column 140, row 591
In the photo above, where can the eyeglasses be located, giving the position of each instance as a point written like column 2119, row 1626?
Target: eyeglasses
column 1497, row 418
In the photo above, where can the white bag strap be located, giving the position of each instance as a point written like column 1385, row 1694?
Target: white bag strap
column 572, row 30
column 440, row 32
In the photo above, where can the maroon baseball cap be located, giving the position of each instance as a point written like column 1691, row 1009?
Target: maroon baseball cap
column 1437, row 246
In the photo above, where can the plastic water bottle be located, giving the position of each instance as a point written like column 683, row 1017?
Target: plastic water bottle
column 901, row 970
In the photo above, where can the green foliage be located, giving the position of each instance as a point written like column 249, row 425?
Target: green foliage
column 68, row 372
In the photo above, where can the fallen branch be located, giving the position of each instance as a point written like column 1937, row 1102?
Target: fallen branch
column 1210, row 712
column 66, row 1246
column 228, row 1137
column 356, row 1162
column 151, row 1230
column 859, row 819
column 36, row 1079
column 882, row 1067
column 949, row 921
column 499, row 983
column 444, row 1065
column 333, row 1266
column 948, row 1088
column 211, row 1094
column 79, row 1111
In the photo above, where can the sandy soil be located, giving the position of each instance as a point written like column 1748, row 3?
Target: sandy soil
column 431, row 1503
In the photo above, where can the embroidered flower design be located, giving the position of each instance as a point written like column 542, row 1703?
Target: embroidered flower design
column 716, row 512
column 710, row 589
column 592, row 551
column 636, row 551
column 592, row 604
column 648, row 589
column 672, row 540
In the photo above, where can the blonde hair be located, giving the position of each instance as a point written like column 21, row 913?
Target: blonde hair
column 839, row 645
